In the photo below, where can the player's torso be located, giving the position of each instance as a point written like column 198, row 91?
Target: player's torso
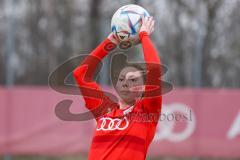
column 122, row 137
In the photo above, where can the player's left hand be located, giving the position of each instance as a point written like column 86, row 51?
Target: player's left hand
column 147, row 25
column 113, row 38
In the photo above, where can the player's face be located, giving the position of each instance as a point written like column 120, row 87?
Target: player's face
column 130, row 84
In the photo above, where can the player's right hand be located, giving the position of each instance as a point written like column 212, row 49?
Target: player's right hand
column 147, row 25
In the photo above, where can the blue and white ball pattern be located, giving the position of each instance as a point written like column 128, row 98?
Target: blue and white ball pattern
column 126, row 23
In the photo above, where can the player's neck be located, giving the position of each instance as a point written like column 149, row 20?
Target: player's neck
column 124, row 105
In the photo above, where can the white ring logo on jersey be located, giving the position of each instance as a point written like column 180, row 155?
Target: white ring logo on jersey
column 109, row 124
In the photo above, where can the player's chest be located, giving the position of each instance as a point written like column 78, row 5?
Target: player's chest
column 121, row 121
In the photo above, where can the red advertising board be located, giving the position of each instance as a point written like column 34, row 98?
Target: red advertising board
column 194, row 122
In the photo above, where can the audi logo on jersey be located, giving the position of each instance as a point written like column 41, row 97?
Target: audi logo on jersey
column 111, row 124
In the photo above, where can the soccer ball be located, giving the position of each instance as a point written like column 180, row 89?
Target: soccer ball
column 126, row 23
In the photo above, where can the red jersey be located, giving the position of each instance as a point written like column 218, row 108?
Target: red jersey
column 122, row 134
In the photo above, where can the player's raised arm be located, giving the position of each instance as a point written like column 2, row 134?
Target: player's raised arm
column 84, row 73
column 152, row 100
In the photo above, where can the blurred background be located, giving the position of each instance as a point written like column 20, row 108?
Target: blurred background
column 198, row 41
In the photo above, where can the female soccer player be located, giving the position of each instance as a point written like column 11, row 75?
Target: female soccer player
column 121, row 133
